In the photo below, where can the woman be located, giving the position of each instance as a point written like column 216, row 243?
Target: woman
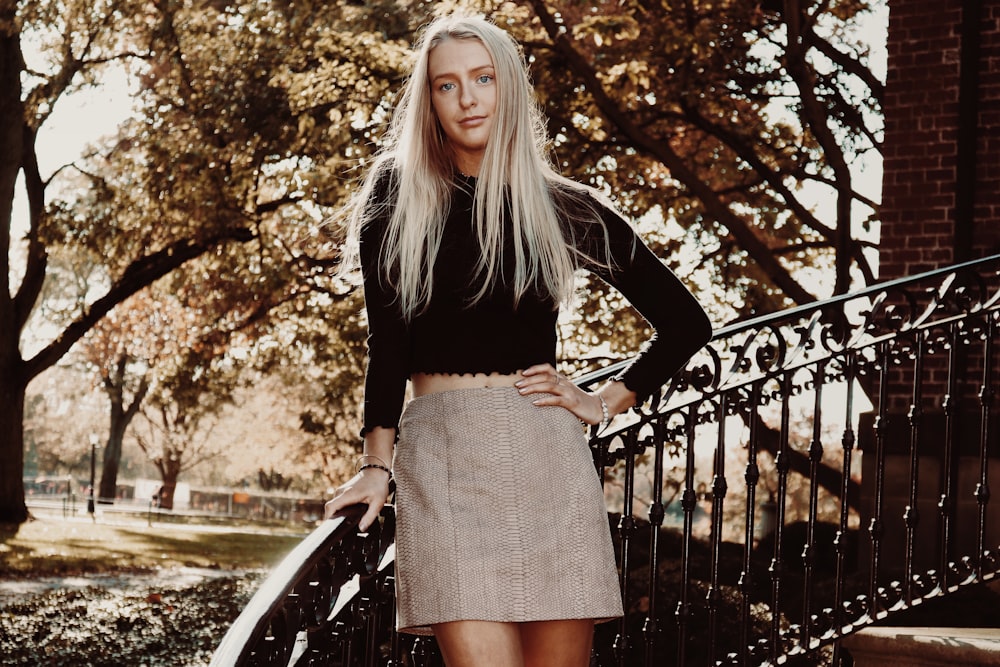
column 468, row 241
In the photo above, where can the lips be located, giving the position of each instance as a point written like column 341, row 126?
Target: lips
column 471, row 121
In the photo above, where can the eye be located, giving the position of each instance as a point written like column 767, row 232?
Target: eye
column 445, row 87
column 485, row 78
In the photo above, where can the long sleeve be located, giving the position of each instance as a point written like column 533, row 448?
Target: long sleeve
column 680, row 323
column 388, row 335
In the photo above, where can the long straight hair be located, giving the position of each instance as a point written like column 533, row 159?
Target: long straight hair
column 515, row 172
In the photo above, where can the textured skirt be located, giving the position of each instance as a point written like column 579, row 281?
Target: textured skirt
column 500, row 514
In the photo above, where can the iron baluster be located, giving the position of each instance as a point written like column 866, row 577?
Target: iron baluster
column 651, row 627
column 876, row 528
column 688, row 504
column 911, row 516
column 986, row 396
column 809, row 549
column 848, row 441
column 395, row 645
column 949, row 474
column 777, row 567
column 626, row 529
column 718, row 497
column 752, row 477
column 420, row 654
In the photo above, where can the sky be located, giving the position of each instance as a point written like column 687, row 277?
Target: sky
column 80, row 118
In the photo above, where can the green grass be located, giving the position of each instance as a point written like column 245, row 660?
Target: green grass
column 52, row 546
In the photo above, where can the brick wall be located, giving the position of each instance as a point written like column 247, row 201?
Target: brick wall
column 988, row 206
column 921, row 202
column 922, row 112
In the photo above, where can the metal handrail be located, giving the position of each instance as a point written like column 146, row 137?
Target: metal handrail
column 755, row 599
column 335, row 551
column 770, row 319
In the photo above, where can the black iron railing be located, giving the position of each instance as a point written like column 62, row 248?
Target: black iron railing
column 807, row 474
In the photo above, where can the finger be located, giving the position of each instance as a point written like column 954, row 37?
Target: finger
column 545, row 390
column 538, row 383
column 547, row 380
column 335, row 505
column 549, row 400
column 369, row 517
column 539, row 369
column 341, row 499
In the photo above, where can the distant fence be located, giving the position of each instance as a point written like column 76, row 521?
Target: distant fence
column 68, row 496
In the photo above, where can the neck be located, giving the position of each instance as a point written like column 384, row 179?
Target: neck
column 466, row 164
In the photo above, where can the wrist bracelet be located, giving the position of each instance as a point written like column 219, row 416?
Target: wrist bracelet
column 605, row 414
column 361, row 460
column 376, row 466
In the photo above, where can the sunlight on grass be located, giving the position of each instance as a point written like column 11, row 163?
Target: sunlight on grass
column 53, row 546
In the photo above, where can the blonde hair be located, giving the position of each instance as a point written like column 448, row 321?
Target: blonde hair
column 515, row 171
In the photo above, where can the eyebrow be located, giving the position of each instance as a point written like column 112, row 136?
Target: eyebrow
column 474, row 70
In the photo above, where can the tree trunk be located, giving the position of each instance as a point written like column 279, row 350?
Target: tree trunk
column 121, row 417
column 13, row 511
column 167, row 494
column 170, row 470
column 108, row 489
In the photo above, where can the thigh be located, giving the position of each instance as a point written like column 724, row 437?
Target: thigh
column 563, row 643
column 479, row 644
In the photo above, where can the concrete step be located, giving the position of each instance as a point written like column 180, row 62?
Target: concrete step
column 924, row 647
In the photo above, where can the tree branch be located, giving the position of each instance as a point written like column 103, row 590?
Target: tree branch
column 662, row 152
column 38, row 256
column 138, row 275
column 814, row 115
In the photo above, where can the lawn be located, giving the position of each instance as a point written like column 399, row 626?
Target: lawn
column 51, row 546
column 145, row 608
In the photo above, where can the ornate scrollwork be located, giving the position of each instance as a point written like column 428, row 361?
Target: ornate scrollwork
column 332, row 603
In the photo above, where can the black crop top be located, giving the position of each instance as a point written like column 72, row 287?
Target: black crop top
column 449, row 336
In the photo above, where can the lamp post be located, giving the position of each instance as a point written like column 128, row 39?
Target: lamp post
column 93, row 455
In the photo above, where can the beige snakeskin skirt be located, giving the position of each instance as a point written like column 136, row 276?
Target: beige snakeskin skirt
column 500, row 514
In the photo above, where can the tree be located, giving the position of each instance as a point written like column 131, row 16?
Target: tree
column 726, row 116
column 725, row 127
column 61, row 423
column 714, row 125
column 82, row 37
column 121, row 348
column 255, row 117
column 175, row 441
column 204, row 171
column 723, row 119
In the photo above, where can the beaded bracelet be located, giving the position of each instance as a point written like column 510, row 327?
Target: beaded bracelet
column 376, row 466
column 362, row 458
column 605, row 414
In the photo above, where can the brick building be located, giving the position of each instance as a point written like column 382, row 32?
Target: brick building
column 940, row 207
column 941, row 189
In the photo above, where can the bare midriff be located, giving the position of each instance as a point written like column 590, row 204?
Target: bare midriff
column 433, row 383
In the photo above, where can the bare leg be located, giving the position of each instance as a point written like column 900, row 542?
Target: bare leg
column 563, row 643
column 479, row 644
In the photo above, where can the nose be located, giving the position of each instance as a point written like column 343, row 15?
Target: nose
column 468, row 97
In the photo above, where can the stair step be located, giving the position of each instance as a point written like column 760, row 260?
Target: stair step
column 924, row 647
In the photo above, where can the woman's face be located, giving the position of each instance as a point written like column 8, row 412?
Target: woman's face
column 464, row 98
